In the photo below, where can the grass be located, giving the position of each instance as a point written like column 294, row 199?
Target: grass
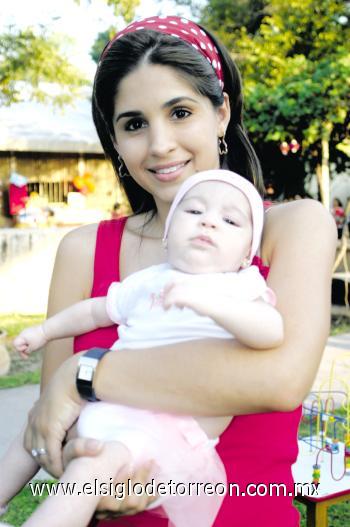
column 21, row 371
column 340, row 325
column 338, row 515
column 14, row 323
column 22, row 506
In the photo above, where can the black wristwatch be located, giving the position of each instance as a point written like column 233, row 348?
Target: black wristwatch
column 86, row 370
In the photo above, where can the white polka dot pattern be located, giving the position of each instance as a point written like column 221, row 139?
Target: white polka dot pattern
column 180, row 28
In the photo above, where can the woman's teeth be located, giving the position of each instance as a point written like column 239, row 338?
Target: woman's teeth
column 168, row 170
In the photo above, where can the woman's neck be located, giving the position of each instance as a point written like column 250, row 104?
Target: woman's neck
column 146, row 225
column 154, row 222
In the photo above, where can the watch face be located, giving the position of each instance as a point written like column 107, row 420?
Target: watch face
column 86, row 373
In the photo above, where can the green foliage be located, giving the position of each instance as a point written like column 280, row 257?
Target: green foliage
column 100, row 43
column 226, row 17
column 123, row 8
column 295, row 62
column 30, row 59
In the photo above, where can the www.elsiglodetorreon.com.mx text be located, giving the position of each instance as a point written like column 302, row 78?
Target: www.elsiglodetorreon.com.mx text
column 170, row 488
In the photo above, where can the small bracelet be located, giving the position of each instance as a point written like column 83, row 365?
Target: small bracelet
column 3, row 510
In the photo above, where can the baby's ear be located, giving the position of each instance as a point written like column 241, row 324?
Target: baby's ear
column 245, row 263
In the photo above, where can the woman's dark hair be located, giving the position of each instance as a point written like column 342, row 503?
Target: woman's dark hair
column 151, row 47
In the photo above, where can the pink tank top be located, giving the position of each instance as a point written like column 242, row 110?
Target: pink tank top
column 257, row 450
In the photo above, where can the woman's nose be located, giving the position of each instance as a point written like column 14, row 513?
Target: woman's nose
column 162, row 140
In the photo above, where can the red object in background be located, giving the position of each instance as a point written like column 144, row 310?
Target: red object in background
column 18, row 197
column 294, row 146
column 284, row 147
column 339, row 215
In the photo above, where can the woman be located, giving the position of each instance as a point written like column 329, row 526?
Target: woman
column 166, row 96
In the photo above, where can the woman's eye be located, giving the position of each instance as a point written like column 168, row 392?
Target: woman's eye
column 134, row 124
column 181, row 113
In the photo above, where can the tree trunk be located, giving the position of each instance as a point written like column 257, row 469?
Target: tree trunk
column 322, row 170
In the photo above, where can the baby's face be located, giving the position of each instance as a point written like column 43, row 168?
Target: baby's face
column 211, row 230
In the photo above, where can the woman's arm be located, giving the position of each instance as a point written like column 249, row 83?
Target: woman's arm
column 71, row 282
column 17, row 467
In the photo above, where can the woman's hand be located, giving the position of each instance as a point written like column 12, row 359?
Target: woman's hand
column 109, row 506
column 52, row 415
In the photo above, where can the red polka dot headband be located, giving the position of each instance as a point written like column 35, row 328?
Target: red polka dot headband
column 180, row 28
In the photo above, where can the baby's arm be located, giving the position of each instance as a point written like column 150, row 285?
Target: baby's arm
column 255, row 323
column 17, row 467
column 79, row 318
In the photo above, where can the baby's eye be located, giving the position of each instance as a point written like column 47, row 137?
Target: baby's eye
column 193, row 211
column 230, row 221
column 135, row 124
column 181, row 113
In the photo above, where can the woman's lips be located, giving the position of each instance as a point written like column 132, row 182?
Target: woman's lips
column 168, row 173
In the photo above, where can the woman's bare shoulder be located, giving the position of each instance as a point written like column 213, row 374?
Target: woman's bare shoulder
column 84, row 237
column 73, row 271
column 306, row 213
column 306, row 219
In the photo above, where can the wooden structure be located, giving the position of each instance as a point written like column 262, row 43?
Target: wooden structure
column 317, row 509
column 341, row 272
column 51, row 148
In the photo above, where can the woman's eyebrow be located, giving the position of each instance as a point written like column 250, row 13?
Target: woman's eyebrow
column 176, row 100
column 128, row 114
column 138, row 113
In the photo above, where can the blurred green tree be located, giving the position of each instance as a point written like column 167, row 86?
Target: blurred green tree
column 100, row 42
column 122, row 8
column 295, row 61
column 35, row 65
column 29, row 60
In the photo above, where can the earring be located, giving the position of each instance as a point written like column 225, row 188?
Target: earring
column 223, row 149
column 123, row 171
column 245, row 263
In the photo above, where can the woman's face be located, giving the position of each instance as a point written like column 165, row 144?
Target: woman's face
column 165, row 131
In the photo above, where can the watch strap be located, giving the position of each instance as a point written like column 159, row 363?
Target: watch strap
column 87, row 365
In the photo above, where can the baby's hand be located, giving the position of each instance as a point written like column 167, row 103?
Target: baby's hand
column 29, row 340
column 186, row 293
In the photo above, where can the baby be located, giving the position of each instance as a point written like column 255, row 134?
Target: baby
column 207, row 288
